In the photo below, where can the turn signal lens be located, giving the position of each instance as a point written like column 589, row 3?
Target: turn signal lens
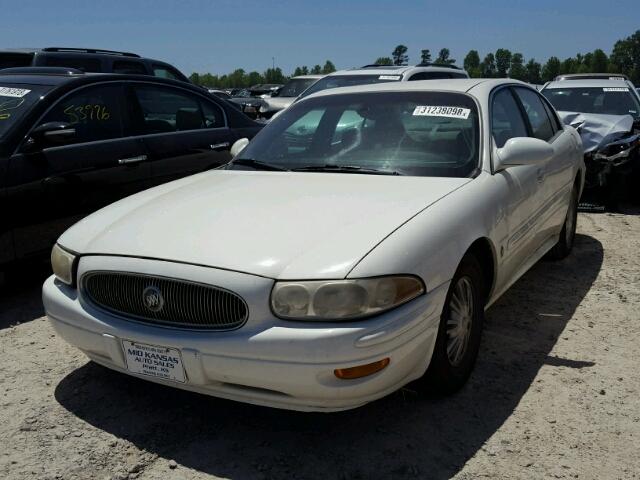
column 361, row 370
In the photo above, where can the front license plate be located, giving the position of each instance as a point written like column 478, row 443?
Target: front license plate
column 154, row 361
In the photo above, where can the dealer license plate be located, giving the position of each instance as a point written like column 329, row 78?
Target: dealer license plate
column 154, row 361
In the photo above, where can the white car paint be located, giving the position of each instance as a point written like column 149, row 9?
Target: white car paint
column 244, row 230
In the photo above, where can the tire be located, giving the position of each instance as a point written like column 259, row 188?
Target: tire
column 568, row 234
column 455, row 354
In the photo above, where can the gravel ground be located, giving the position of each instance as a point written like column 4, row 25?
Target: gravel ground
column 555, row 394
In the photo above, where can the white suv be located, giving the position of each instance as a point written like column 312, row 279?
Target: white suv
column 385, row 73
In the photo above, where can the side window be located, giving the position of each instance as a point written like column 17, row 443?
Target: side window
column 166, row 109
column 555, row 123
column 538, row 119
column 506, row 119
column 213, row 116
column 84, row 64
column 165, row 72
column 95, row 113
column 127, row 66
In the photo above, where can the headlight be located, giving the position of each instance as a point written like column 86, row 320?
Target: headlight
column 342, row 299
column 62, row 263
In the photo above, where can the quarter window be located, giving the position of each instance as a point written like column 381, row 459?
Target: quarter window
column 164, row 72
column 538, row 119
column 94, row 112
column 506, row 119
column 135, row 68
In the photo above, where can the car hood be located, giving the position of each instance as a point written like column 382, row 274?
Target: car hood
column 598, row 130
column 272, row 104
column 286, row 225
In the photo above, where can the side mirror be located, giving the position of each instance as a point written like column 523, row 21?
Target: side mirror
column 52, row 133
column 238, row 146
column 522, row 151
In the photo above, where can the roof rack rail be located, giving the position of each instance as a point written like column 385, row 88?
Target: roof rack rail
column 436, row 64
column 40, row 71
column 90, row 50
column 376, row 65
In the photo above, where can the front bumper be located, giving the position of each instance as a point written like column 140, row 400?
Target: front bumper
column 268, row 361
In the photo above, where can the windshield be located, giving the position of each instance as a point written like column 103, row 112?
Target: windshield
column 603, row 100
column 406, row 133
column 295, row 87
column 335, row 81
column 15, row 101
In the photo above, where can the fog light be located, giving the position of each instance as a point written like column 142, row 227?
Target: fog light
column 361, row 370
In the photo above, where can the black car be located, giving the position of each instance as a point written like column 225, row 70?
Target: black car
column 89, row 60
column 72, row 143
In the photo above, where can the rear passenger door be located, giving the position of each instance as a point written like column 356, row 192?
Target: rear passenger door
column 184, row 133
column 55, row 185
column 557, row 172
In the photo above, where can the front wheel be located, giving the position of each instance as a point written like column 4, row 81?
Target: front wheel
column 458, row 339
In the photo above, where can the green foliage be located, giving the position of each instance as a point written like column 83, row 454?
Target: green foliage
column 551, row 69
column 503, row 62
column 329, row 67
column 316, row 70
column 443, row 57
column 517, row 69
column 533, row 69
column 399, row 55
column 425, row 56
column 472, row 64
column 384, row 61
column 488, row 66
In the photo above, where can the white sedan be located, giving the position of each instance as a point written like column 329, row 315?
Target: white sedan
column 352, row 247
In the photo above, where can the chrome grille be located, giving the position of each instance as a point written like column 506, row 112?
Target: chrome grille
column 181, row 304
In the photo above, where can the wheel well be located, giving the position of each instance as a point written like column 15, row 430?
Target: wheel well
column 483, row 251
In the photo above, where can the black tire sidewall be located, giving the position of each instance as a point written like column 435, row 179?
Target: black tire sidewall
column 441, row 374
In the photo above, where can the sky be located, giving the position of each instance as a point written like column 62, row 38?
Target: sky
column 220, row 36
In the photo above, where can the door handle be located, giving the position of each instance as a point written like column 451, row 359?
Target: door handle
column 217, row 146
column 130, row 160
column 540, row 175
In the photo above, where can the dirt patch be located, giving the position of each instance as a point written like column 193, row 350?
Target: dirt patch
column 555, row 394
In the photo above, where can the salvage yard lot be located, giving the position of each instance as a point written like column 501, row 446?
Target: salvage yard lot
column 555, row 394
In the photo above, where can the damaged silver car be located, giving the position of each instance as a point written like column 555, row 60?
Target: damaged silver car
column 606, row 112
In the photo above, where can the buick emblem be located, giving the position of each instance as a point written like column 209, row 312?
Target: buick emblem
column 152, row 298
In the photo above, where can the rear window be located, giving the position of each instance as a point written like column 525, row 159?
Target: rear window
column 10, row 60
column 15, row 102
column 336, row 81
column 126, row 66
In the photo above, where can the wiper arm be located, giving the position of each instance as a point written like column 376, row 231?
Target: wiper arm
column 345, row 169
column 257, row 164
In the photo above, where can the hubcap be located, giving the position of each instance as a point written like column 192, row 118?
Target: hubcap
column 460, row 320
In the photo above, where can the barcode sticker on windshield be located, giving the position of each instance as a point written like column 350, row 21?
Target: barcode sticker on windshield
column 13, row 92
column 441, row 111
column 389, row 77
column 615, row 89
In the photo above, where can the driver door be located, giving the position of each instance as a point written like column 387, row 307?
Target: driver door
column 55, row 183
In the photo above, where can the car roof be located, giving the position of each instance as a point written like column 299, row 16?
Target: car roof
column 395, row 70
column 591, row 83
column 82, row 78
column 307, row 77
column 461, row 85
column 586, row 76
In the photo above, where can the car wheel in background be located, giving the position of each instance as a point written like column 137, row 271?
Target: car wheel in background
column 460, row 329
column 568, row 233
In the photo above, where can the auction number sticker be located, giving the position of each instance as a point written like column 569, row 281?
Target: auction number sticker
column 389, row 77
column 13, row 92
column 154, row 361
column 441, row 111
column 615, row 89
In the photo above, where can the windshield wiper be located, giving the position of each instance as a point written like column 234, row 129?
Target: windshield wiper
column 257, row 164
column 345, row 169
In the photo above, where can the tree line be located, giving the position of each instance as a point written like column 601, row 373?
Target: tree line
column 623, row 59
column 239, row 78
